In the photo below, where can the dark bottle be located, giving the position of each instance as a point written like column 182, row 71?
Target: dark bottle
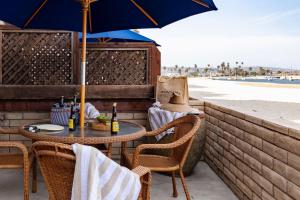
column 76, row 110
column 114, row 121
column 75, row 100
column 72, row 120
column 62, row 103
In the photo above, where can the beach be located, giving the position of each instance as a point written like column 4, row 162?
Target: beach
column 279, row 103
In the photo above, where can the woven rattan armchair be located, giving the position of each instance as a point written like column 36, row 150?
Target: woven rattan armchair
column 184, row 132
column 16, row 160
column 57, row 164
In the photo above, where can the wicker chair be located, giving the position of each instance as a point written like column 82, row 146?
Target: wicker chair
column 16, row 160
column 57, row 164
column 185, row 129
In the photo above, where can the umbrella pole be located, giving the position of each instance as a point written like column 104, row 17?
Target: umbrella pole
column 85, row 6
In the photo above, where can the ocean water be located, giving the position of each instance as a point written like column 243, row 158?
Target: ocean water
column 276, row 81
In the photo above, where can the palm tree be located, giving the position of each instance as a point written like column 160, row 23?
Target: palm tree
column 176, row 68
column 250, row 71
column 180, row 71
column 240, row 70
column 223, row 67
column 205, row 70
column 208, row 67
column 262, row 71
column 235, row 71
column 228, row 69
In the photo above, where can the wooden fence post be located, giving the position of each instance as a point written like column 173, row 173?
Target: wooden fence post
column 0, row 57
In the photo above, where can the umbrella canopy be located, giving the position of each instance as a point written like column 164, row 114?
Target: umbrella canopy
column 117, row 36
column 98, row 16
column 103, row 15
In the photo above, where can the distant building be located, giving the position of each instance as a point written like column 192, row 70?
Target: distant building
column 183, row 71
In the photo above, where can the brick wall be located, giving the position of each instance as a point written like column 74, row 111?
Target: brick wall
column 257, row 159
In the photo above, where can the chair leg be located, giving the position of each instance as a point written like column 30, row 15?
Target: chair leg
column 123, row 150
column 34, row 176
column 175, row 193
column 184, row 185
column 26, row 181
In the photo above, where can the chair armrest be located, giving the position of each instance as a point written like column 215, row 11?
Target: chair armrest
column 146, row 179
column 9, row 130
column 171, row 145
column 141, row 171
column 17, row 145
column 160, row 130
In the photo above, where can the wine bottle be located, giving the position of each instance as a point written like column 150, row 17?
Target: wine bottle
column 76, row 110
column 62, row 103
column 114, row 121
column 75, row 100
column 72, row 120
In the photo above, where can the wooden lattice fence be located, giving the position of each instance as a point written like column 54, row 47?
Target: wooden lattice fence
column 46, row 64
column 117, row 66
column 36, row 58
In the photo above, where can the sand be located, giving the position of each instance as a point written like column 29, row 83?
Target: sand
column 270, row 85
column 278, row 103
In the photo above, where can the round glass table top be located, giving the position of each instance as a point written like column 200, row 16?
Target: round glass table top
column 128, row 131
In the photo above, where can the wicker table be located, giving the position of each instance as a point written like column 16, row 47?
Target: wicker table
column 128, row 132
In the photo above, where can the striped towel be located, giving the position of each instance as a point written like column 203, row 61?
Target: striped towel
column 97, row 177
column 159, row 117
column 60, row 116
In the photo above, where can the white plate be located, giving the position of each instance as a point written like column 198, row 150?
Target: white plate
column 49, row 127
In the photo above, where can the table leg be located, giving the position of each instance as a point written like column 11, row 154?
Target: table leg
column 109, row 150
column 123, row 150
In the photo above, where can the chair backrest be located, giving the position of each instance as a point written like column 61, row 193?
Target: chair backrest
column 57, row 164
column 185, row 130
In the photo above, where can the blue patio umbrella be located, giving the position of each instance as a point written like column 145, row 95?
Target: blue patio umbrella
column 117, row 36
column 98, row 16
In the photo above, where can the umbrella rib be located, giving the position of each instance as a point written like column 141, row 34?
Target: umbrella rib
column 35, row 13
column 107, row 40
column 200, row 2
column 144, row 12
column 90, row 18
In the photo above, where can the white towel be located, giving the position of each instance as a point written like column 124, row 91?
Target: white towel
column 159, row 117
column 90, row 111
column 97, row 177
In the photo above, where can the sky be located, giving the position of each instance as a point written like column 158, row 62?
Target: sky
column 256, row 32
